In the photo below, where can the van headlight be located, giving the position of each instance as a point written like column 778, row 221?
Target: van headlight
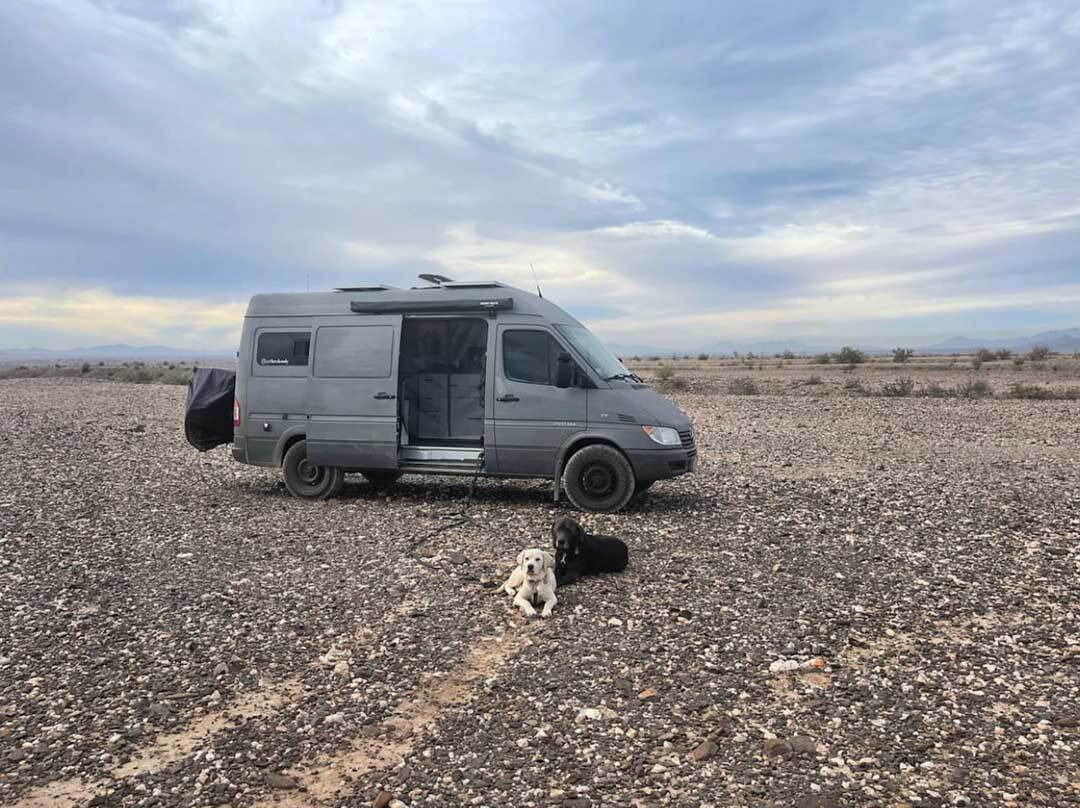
column 664, row 435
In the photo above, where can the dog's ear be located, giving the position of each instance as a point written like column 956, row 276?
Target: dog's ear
column 549, row 561
column 579, row 531
column 521, row 558
column 556, row 525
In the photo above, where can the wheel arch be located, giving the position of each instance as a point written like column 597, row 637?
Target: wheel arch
column 289, row 437
column 578, row 442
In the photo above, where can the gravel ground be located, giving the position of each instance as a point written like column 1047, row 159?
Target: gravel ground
column 856, row 601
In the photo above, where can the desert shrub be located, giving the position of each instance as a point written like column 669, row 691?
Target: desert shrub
column 1018, row 362
column 1029, row 391
column 1035, row 392
column 976, row 362
column 985, row 355
column 1004, row 353
column 101, row 364
column 815, row 379
column 898, row 388
column 85, row 367
column 849, row 356
column 787, row 355
column 654, row 358
column 743, row 387
column 935, row 390
column 1039, row 353
column 976, row 388
column 632, row 359
column 901, row 355
column 666, row 379
column 854, row 385
column 702, row 357
column 821, row 359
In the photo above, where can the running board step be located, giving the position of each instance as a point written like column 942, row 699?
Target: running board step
column 439, row 455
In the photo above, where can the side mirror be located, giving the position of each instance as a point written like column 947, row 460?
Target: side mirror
column 564, row 370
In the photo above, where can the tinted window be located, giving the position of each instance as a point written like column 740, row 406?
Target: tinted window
column 354, row 351
column 283, row 348
column 530, row 356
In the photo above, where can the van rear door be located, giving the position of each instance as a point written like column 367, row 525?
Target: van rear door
column 352, row 407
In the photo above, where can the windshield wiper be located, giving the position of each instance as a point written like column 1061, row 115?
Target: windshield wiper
column 632, row 376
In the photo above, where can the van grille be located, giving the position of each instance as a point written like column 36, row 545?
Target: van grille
column 686, row 436
column 627, row 419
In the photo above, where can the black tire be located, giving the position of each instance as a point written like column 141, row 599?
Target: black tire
column 381, row 478
column 306, row 480
column 598, row 478
column 641, row 486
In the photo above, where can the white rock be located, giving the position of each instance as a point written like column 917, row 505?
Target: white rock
column 783, row 666
column 588, row 714
column 614, row 622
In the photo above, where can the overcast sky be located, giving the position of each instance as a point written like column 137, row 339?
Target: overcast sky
column 677, row 173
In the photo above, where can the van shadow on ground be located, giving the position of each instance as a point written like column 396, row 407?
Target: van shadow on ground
column 508, row 493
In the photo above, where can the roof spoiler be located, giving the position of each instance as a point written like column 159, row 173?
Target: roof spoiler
column 489, row 305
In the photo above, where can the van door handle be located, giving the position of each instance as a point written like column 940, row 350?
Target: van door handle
column 384, row 396
column 508, row 398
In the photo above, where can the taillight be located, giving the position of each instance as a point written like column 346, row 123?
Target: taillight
column 236, row 413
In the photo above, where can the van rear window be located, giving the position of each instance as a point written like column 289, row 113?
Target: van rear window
column 283, row 348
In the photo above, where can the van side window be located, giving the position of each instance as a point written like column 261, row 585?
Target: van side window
column 354, row 352
column 283, row 348
column 530, row 356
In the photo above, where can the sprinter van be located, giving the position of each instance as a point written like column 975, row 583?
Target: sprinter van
column 451, row 378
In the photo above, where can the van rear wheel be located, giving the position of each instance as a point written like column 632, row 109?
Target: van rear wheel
column 599, row 478
column 307, row 480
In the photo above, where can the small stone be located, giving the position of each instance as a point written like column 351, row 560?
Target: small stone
column 334, row 718
column 221, row 669
column 776, row 747
column 647, row 694
column 802, row 745
column 341, row 669
column 382, row 800
column 398, row 804
column 614, row 622
column 704, row 751
column 659, row 768
column 280, row 781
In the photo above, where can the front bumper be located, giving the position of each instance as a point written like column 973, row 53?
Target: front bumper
column 664, row 463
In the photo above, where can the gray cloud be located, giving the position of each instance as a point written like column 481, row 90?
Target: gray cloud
column 758, row 170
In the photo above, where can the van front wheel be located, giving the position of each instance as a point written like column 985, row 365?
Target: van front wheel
column 306, row 480
column 599, row 478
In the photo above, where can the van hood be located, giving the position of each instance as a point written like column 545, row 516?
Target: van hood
column 647, row 402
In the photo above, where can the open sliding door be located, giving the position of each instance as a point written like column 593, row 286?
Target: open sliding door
column 352, row 406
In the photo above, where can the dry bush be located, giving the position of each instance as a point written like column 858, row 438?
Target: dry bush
column 976, row 388
column 743, row 387
column 898, row 388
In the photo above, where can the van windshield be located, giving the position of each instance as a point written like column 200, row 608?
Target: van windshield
column 599, row 358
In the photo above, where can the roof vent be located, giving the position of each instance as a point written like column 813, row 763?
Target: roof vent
column 375, row 287
column 438, row 280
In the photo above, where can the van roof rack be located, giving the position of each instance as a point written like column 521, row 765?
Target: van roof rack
column 373, row 287
column 473, row 284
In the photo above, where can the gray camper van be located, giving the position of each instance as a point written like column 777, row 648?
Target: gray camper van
column 452, row 378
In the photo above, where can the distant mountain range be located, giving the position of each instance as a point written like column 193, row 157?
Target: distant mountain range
column 1061, row 341
column 115, row 352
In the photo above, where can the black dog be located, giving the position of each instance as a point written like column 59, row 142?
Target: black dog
column 579, row 553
